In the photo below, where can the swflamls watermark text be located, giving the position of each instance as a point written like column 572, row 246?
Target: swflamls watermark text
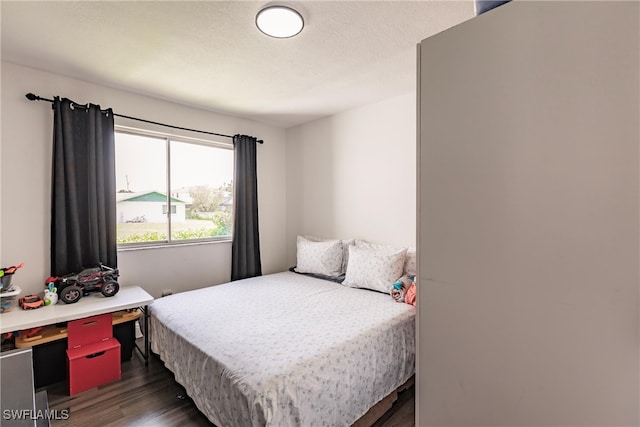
column 30, row 414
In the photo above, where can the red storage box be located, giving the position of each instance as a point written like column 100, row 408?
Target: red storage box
column 93, row 364
column 89, row 330
column 93, row 355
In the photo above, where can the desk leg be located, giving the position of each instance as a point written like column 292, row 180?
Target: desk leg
column 147, row 352
column 146, row 336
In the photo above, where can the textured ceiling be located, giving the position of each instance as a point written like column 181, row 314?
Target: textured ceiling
column 209, row 54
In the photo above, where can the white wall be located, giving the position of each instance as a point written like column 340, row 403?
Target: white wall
column 353, row 175
column 529, row 194
column 26, row 170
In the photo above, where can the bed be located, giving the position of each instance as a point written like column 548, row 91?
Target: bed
column 285, row 349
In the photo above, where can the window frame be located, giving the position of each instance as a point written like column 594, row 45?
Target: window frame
column 168, row 137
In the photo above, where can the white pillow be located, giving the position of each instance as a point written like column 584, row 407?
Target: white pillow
column 410, row 263
column 345, row 248
column 319, row 257
column 375, row 246
column 374, row 268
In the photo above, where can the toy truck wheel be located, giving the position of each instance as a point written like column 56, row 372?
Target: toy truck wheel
column 110, row 288
column 71, row 294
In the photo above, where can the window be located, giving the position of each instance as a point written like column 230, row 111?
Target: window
column 173, row 209
column 171, row 189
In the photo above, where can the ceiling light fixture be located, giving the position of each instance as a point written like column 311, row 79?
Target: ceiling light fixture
column 279, row 21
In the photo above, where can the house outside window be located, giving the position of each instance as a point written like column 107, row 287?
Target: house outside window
column 171, row 189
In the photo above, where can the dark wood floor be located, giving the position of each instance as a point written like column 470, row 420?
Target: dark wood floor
column 151, row 397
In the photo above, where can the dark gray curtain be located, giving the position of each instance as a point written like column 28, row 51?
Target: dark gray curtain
column 245, row 250
column 83, row 207
column 483, row 6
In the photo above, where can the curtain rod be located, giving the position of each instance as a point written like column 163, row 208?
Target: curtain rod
column 31, row 97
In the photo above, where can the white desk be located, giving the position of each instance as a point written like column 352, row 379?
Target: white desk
column 90, row 305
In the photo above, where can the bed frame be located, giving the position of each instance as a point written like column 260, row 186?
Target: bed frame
column 379, row 409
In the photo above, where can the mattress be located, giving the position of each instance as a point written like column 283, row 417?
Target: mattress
column 284, row 349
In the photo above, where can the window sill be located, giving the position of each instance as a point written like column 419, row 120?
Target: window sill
column 142, row 246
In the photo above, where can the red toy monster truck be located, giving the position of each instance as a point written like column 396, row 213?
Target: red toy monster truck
column 73, row 286
column 30, row 302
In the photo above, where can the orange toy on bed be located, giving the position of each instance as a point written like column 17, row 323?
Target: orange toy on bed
column 410, row 296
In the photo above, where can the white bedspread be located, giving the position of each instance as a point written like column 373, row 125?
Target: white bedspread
column 285, row 349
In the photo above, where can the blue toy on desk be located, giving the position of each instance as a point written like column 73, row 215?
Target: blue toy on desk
column 50, row 295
